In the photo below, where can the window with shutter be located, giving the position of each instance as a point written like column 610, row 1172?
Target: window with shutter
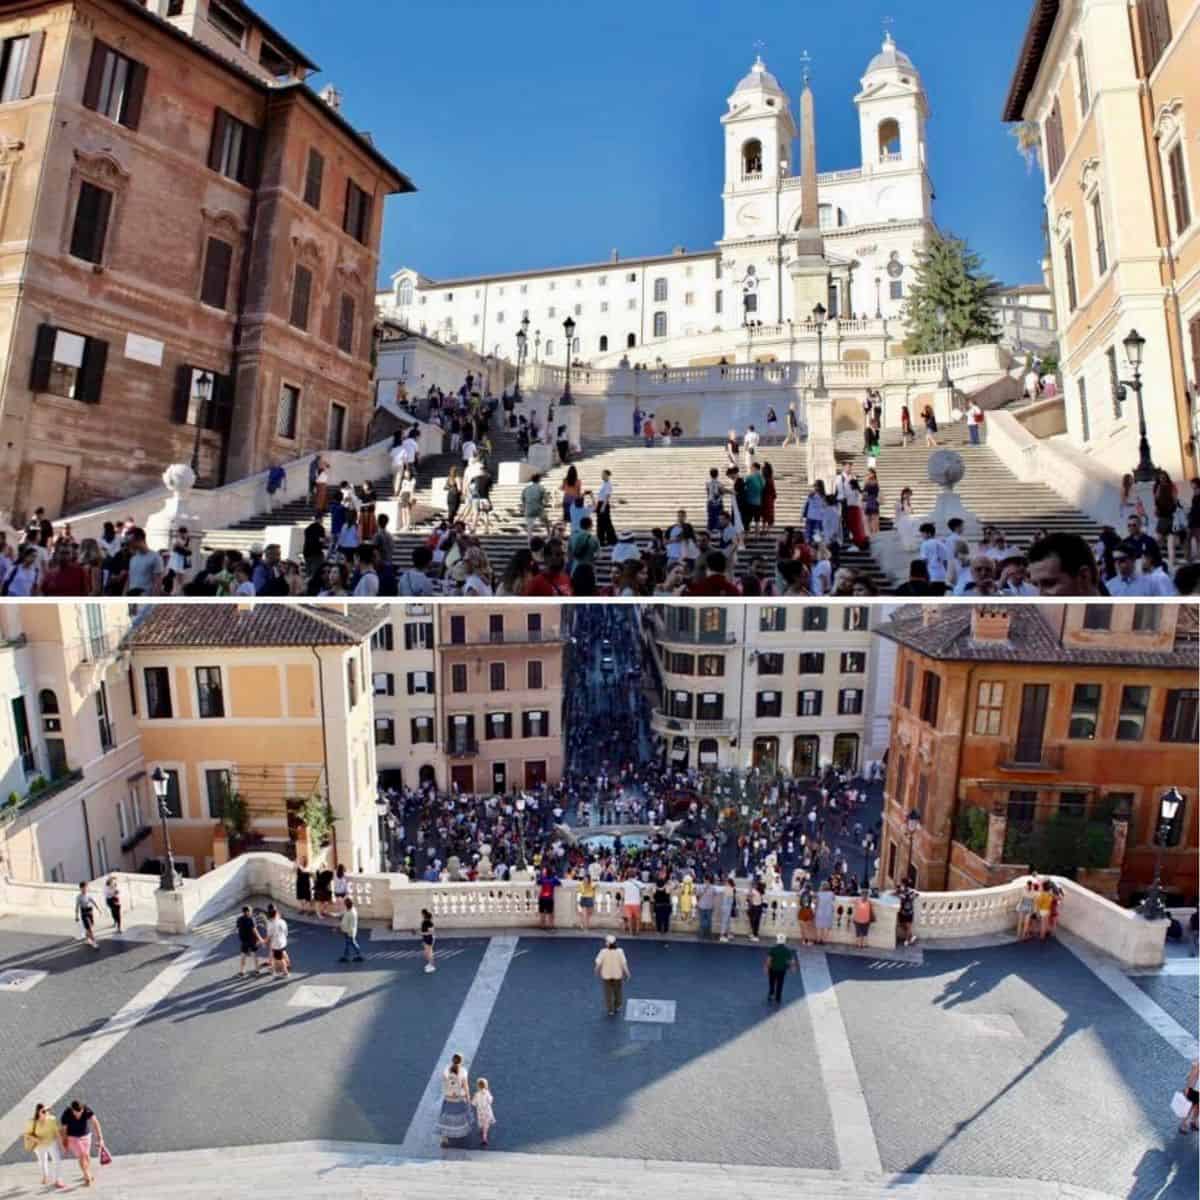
column 116, row 86
column 68, row 364
column 233, row 151
column 91, row 223
column 1154, row 25
column 346, row 325
column 289, row 412
column 20, row 58
column 1098, row 225
column 313, row 179
column 1069, row 263
column 91, row 382
column 218, row 262
column 219, row 417
column 1114, row 380
column 301, row 295
column 357, row 222
column 1194, row 336
column 1181, row 203
column 1085, row 96
column 1056, row 152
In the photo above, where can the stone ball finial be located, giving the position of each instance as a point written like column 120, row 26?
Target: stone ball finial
column 946, row 467
column 179, row 478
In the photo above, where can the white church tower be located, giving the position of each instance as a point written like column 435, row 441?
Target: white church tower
column 759, row 131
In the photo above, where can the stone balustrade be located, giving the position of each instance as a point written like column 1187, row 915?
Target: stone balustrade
column 397, row 901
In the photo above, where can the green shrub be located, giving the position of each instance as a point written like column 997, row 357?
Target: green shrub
column 973, row 829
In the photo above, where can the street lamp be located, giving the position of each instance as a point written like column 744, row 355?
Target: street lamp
column 520, row 833
column 1135, row 346
column 878, row 298
column 202, row 389
column 1153, row 908
column 912, row 822
column 162, row 785
column 522, row 350
column 942, row 322
column 569, row 330
column 818, row 316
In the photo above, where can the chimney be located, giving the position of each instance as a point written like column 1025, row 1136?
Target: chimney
column 245, row 605
column 990, row 624
column 679, row 250
column 931, row 614
column 614, row 256
column 332, row 97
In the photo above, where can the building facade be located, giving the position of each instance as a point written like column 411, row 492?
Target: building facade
column 75, row 801
column 1115, row 92
column 189, row 242
column 1029, row 712
column 779, row 687
column 875, row 218
column 404, row 679
column 1026, row 319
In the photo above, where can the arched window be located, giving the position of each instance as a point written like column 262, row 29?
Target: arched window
column 766, row 754
column 752, row 158
column 660, row 291
column 845, row 751
column 48, row 703
column 404, row 293
column 660, row 324
column 806, row 756
column 427, row 777
column 889, row 140
column 679, row 751
column 709, row 752
column 631, row 341
column 603, row 343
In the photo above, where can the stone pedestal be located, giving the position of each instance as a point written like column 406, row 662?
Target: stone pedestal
column 943, row 405
column 997, row 831
column 822, row 462
column 172, row 913
column 176, row 513
column 540, row 457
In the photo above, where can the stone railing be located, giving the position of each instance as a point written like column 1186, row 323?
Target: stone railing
column 393, row 899
column 57, row 900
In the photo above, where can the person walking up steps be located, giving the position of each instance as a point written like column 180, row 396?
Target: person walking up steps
column 612, row 968
column 77, row 1125
column 85, row 914
column 427, row 940
column 781, row 959
column 793, row 426
column 349, row 930
column 42, row 1140
column 485, row 1116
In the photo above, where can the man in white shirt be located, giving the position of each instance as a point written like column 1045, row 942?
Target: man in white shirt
column 368, row 580
column 974, row 422
column 675, row 537
column 749, row 447
column 627, row 548
column 1126, row 582
column 631, row 898
column 604, row 523
column 933, row 552
column 613, row 969
column 277, row 940
column 469, row 449
column 1154, row 575
column 398, row 463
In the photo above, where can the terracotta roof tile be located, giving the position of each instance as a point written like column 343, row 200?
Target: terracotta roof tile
column 260, row 624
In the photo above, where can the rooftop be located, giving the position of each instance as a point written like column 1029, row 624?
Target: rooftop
column 890, row 56
column 168, row 626
column 1029, row 62
column 1032, row 639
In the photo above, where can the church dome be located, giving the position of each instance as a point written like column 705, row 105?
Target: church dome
column 891, row 57
column 760, row 79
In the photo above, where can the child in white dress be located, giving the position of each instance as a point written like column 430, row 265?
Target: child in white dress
column 482, row 1101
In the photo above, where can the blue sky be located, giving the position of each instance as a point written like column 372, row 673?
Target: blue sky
column 541, row 133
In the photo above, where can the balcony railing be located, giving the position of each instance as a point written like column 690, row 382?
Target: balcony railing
column 1047, row 757
column 662, row 722
column 51, row 788
column 694, row 637
column 467, row 748
column 507, row 637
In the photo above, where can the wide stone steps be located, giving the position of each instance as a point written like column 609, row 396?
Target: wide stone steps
column 318, row 1170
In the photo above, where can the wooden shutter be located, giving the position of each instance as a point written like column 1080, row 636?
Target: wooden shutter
column 91, row 376
column 220, row 405
column 95, row 75
column 314, row 179
column 33, row 59
column 43, row 358
column 1194, row 334
column 1183, row 207
column 220, row 123
column 301, row 294
column 248, row 167
column 1072, row 291
column 91, row 223
column 218, row 260
column 346, row 325
column 183, row 394
column 135, row 96
column 1160, row 20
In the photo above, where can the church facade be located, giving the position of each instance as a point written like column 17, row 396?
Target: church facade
column 873, row 220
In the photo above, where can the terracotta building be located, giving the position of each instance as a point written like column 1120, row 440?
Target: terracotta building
column 189, row 242
column 1028, row 712
column 499, row 695
column 1115, row 94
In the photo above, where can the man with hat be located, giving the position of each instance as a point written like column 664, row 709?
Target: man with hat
column 613, row 969
column 781, row 959
column 626, row 549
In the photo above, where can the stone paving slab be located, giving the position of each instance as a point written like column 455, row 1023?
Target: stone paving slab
column 1177, row 995
column 227, row 1061
column 1081, row 1096
column 81, row 990
column 732, row 1079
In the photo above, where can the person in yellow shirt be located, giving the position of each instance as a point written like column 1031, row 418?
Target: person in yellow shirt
column 587, row 900
column 42, row 1140
column 687, row 898
column 1043, row 902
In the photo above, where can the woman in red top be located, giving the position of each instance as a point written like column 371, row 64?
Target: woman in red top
column 571, row 491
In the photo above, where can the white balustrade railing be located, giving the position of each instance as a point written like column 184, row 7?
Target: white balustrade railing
column 57, row 900
column 398, row 902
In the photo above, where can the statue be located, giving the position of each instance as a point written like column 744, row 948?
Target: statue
column 484, row 870
column 454, row 869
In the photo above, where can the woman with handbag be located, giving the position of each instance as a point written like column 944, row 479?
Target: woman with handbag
column 41, row 1139
column 1190, row 1122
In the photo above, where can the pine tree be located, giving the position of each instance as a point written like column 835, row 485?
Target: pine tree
column 949, row 275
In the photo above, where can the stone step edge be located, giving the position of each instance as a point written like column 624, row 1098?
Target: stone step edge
column 367, row 1159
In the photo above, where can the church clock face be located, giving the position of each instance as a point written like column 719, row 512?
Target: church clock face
column 749, row 217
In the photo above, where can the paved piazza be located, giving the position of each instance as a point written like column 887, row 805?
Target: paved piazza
column 1009, row 1061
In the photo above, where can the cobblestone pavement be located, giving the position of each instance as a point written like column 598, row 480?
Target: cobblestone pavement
column 1012, row 1061
column 81, row 991
column 1176, row 995
column 1009, row 1062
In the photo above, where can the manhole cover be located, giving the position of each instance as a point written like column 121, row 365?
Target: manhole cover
column 18, row 980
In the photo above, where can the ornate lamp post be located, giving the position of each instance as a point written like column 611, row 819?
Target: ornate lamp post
column 818, row 317
column 170, row 877
column 569, row 330
column 1135, row 346
column 942, row 322
column 522, row 350
column 878, row 298
column 912, row 823
column 202, row 389
column 1153, row 908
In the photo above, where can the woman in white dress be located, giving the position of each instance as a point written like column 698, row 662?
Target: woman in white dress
column 906, row 522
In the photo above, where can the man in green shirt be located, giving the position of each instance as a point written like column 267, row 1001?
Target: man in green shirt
column 583, row 546
column 533, row 503
column 781, row 959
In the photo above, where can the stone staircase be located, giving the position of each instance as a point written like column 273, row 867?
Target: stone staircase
column 317, row 1170
column 650, row 485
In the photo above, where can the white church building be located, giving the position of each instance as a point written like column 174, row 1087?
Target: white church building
column 695, row 308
